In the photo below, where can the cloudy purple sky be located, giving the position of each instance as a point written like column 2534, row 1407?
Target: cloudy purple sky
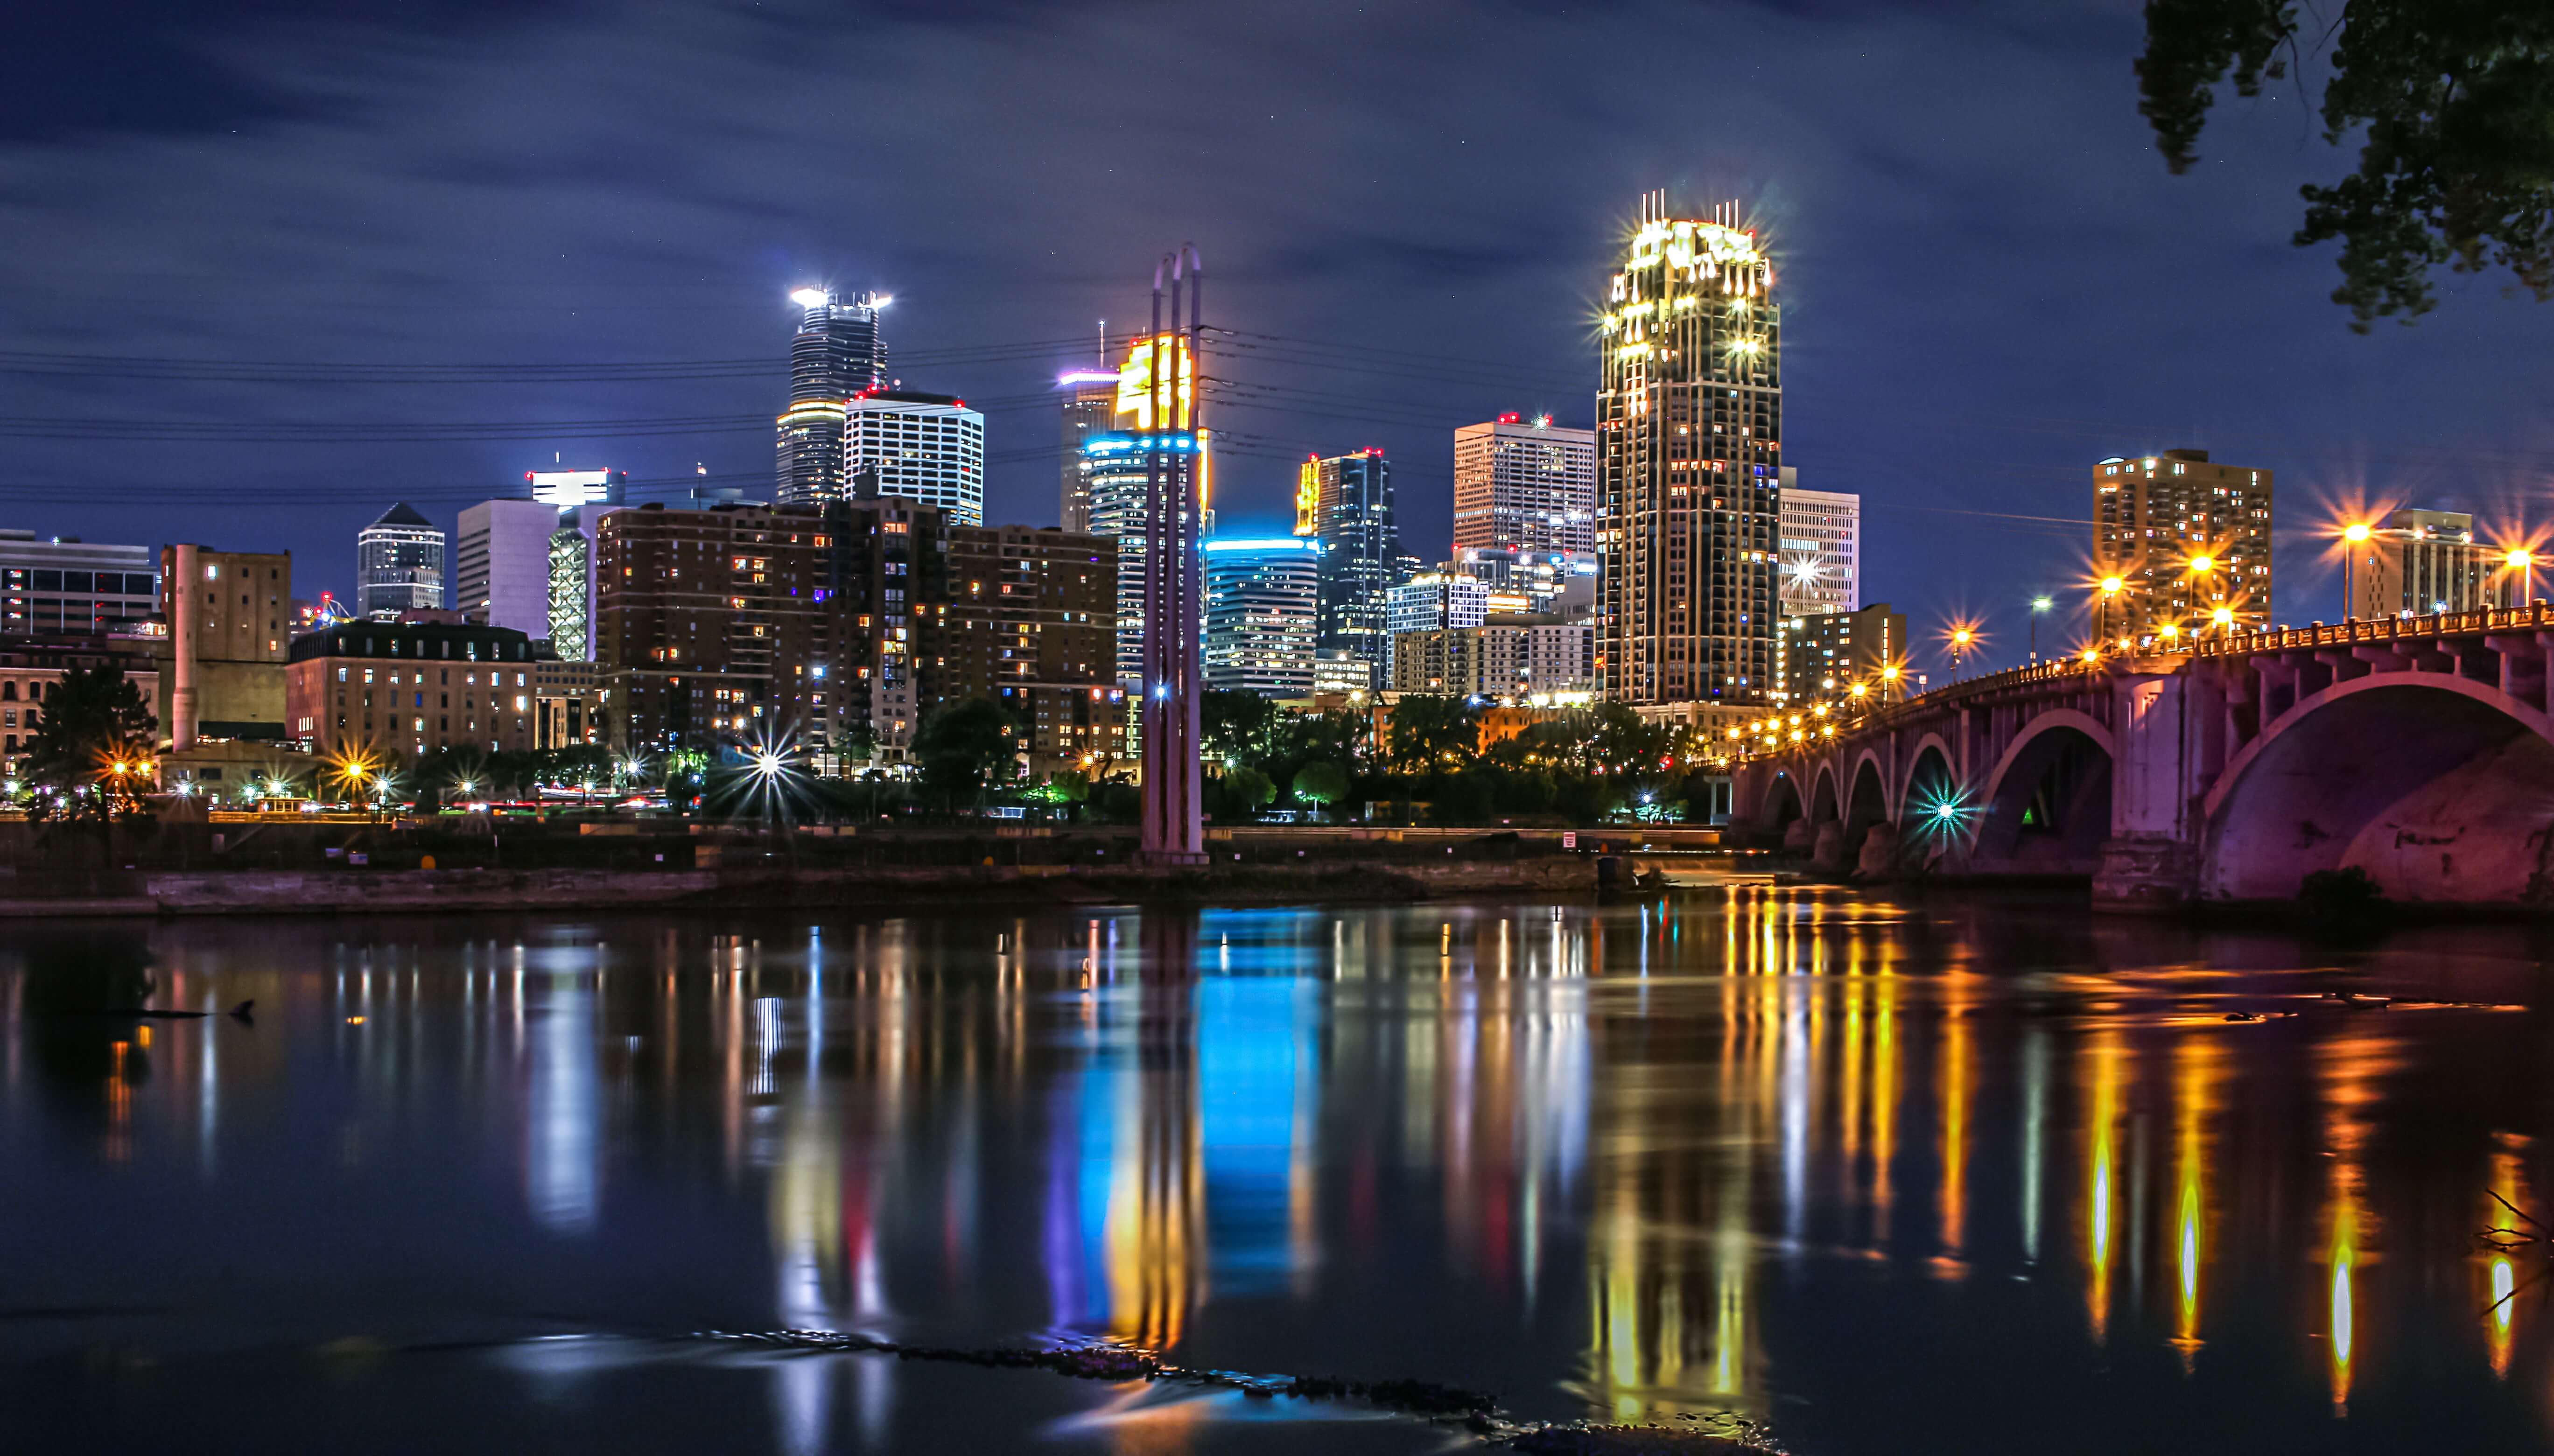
column 1988, row 280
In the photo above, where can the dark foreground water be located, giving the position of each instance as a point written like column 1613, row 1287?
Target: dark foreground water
column 1958, row 1174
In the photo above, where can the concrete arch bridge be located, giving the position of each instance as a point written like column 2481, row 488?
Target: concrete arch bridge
column 2421, row 750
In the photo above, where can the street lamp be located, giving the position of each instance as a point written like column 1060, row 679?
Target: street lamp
column 2523, row 560
column 2039, row 605
column 2353, row 534
column 1960, row 639
column 2224, row 617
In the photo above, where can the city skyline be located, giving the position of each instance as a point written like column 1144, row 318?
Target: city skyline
column 1901, row 391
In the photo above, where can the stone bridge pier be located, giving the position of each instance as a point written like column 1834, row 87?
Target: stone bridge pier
column 2419, row 750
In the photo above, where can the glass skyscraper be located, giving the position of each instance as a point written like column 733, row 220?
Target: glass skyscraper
column 1688, row 436
column 398, row 565
column 1344, row 503
column 837, row 353
column 1262, row 600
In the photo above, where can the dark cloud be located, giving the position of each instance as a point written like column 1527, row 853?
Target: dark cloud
column 1989, row 281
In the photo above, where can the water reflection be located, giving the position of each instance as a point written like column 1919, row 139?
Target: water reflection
column 1749, row 1151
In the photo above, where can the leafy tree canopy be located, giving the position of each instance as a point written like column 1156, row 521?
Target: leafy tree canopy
column 1320, row 782
column 963, row 744
column 92, row 746
column 2456, row 100
column 1434, row 732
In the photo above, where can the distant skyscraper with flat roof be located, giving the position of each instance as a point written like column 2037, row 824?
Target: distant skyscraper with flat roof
column 1524, row 485
column 1262, row 608
column 1822, row 549
column 1344, row 502
column 2183, row 536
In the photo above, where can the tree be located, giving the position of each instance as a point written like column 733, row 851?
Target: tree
column 1321, row 783
column 92, row 747
column 1429, row 732
column 1236, row 727
column 962, row 744
column 2457, row 99
column 1246, row 786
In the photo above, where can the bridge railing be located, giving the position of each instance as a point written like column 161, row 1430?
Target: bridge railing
column 2373, row 629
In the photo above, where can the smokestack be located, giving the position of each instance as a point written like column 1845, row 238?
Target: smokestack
column 185, row 593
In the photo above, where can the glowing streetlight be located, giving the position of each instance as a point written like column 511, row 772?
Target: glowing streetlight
column 2202, row 564
column 2520, row 559
column 2224, row 617
column 2039, row 605
column 1960, row 639
column 2352, row 535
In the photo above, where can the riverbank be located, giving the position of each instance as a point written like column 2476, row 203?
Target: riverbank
column 353, row 891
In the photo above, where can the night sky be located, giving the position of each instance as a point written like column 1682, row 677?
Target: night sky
column 1988, row 280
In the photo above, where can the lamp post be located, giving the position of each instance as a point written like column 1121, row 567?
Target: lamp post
column 2039, row 605
column 2108, row 608
column 2353, row 538
column 1960, row 639
column 2523, row 560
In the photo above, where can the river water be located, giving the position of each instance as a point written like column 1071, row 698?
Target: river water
column 1973, row 1173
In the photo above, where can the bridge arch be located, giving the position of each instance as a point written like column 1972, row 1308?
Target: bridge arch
column 2046, row 807
column 2440, row 787
column 1866, row 801
column 1931, row 785
column 1826, row 805
column 1782, row 801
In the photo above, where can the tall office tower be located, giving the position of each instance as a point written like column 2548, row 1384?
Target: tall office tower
column 501, row 565
column 2183, row 537
column 1262, row 615
column 1115, row 465
column 1090, row 408
column 62, row 584
column 1689, row 428
column 921, row 447
column 1525, row 484
column 578, row 500
column 1344, row 503
column 837, row 353
column 398, row 565
column 1822, row 549
column 2427, row 561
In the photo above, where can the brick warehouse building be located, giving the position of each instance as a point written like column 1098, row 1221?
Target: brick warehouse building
column 836, row 628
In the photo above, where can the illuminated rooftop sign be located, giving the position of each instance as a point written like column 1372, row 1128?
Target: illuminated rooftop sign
column 569, row 487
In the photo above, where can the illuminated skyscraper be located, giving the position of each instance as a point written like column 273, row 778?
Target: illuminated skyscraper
column 1525, row 484
column 398, row 564
column 1344, row 503
column 923, row 447
column 836, row 354
column 1822, row 549
column 2184, row 538
column 1090, row 408
column 1689, row 428
column 1262, row 600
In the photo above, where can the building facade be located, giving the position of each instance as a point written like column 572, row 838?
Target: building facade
column 1344, row 503
column 392, row 691
column 232, row 613
column 31, row 665
column 1511, row 659
column 1821, row 534
column 501, row 565
column 837, row 352
column 1090, row 408
column 63, row 586
column 564, row 703
column 1524, row 485
column 717, row 628
column 1688, row 431
column 1262, row 615
column 2183, row 536
column 2427, row 561
column 1824, row 653
column 835, row 631
column 398, row 565
column 917, row 447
